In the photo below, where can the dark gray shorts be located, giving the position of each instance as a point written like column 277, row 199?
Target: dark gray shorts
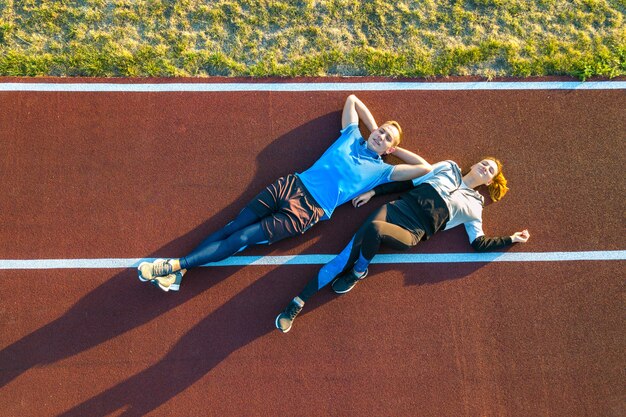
column 400, row 214
column 286, row 209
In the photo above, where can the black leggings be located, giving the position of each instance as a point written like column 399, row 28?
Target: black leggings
column 378, row 229
column 245, row 230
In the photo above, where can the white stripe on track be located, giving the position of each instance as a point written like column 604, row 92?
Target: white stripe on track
column 308, row 87
column 118, row 263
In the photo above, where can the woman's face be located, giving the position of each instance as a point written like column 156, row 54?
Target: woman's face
column 485, row 170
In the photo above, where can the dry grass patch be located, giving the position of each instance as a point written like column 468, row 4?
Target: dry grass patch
column 333, row 37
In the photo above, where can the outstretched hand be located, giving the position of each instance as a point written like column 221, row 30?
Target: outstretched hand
column 520, row 237
column 363, row 198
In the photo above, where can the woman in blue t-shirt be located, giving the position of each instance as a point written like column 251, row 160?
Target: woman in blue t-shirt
column 440, row 200
column 293, row 204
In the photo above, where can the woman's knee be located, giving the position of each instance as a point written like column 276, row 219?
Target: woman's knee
column 375, row 230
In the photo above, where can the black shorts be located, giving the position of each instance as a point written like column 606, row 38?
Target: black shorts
column 399, row 213
column 286, row 208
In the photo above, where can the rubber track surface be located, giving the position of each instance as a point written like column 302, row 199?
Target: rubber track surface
column 95, row 175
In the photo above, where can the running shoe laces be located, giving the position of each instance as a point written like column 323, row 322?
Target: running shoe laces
column 293, row 310
column 151, row 270
column 161, row 268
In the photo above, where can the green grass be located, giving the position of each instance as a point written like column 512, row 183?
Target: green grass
column 489, row 38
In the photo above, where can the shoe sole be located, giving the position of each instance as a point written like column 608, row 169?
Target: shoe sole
column 171, row 287
column 278, row 327
column 354, row 285
column 141, row 278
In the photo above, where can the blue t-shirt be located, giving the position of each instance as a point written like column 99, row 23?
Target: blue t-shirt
column 347, row 169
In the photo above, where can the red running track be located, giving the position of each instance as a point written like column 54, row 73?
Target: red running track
column 123, row 175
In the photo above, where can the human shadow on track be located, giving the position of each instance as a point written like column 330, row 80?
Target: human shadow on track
column 246, row 317
column 84, row 326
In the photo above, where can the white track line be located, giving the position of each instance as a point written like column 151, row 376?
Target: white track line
column 112, row 87
column 117, row 263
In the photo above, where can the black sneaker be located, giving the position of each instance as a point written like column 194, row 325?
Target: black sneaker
column 284, row 321
column 347, row 281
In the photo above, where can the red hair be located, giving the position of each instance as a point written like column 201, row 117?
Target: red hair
column 497, row 188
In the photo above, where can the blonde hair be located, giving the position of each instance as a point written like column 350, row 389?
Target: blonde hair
column 497, row 189
column 397, row 126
